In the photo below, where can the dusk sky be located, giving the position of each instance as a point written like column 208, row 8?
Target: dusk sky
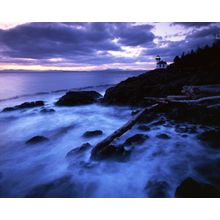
column 98, row 46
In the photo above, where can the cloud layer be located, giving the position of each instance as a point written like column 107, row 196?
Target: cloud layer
column 99, row 45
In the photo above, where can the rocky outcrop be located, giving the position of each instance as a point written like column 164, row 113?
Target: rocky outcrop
column 36, row 140
column 74, row 98
column 24, row 106
column 89, row 134
column 190, row 188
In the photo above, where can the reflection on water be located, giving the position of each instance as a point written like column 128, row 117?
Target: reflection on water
column 16, row 84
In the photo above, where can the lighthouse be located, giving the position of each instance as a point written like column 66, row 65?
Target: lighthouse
column 160, row 64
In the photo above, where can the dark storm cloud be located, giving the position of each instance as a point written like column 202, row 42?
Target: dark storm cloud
column 71, row 40
column 193, row 24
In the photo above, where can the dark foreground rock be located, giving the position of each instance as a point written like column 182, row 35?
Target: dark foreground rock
column 89, row 134
column 36, row 140
column 73, row 98
column 157, row 189
column 211, row 137
column 111, row 152
column 136, row 139
column 59, row 188
column 190, row 188
column 78, row 150
column 24, row 105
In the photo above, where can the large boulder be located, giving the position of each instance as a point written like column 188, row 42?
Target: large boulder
column 37, row 139
column 73, row 98
column 24, row 105
column 190, row 188
column 60, row 188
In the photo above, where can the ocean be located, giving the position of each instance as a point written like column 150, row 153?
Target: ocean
column 43, row 170
column 17, row 84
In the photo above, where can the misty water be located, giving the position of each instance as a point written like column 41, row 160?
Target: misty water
column 24, row 167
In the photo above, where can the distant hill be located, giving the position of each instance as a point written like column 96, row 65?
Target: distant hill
column 195, row 68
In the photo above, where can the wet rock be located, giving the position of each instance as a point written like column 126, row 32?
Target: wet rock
column 89, row 134
column 143, row 128
column 84, row 147
column 36, row 140
column 136, row 139
column 157, row 189
column 47, row 110
column 24, row 105
column 211, row 137
column 190, row 188
column 111, row 152
column 60, row 188
column 73, row 98
column 163, row 136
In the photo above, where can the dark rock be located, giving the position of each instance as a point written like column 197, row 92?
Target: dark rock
column 111, row 152
column 163, row 136
column 47, row 110
column 73, row 98
column 169, row 81
column 60, row 188
column 190, row 188
column 24, row 105
column 79, row 150
column 143, row 128
column 197, row 114
column 94, row 133
column 136, row 139
column 36, row 140
column 212, row 137
column 157, row 189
